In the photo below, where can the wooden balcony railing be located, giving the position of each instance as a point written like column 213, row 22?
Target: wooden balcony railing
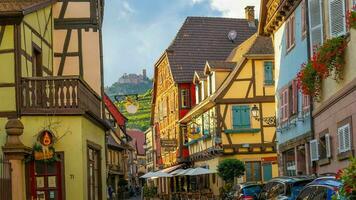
column 64, row 95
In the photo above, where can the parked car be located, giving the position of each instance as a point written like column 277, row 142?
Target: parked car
column 322, row 188
column 248, row 191
column 283, row 188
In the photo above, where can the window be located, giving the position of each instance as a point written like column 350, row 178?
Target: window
column 344, row 138
column 324, row 147
column 314, row 150
column 304, row 19
column 306, row 103
column 315, row 23
column 268, row 73
column 37, row 62
column 253, row 171
column 198, row 88
column 284, row 114
column 337, row 20
column 289, row 162
column 94, row 174
column 184, row 98
column 210, row 83
column 290, row 32
column 241, row 117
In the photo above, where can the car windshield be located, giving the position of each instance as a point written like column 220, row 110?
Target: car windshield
column 297, row 187
column 252, row 190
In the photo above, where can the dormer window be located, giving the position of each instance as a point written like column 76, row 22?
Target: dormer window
column 210, row 85
column 198, row 92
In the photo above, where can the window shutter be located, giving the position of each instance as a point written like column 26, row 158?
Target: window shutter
column 340, row 136
column 347, row 137
column 268, row 73
column 235, row 117
column 286, row 104
column 295, row 97
column 337, row 21
column 245, row 112
column 315, row 23
column 327, row 145
column 241, row 117
column 314, row 153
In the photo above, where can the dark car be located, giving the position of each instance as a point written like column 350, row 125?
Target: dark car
column 248, row 191
column 322, row 188
column 283, row 188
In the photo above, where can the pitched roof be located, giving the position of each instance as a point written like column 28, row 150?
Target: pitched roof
column 201, row 39
column 138, row 139
column 224, row 65
column 22, row 7
column 262, row 45
column 119, row 117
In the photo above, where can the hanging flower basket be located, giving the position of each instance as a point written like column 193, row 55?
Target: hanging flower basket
column 351, row 18
column 327, row 60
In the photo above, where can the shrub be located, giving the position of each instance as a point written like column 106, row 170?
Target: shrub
column 228, row 169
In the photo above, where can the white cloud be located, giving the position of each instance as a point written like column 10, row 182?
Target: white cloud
column 125, row 10
column 232, row 8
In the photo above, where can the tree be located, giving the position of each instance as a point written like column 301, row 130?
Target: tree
column 228, row 169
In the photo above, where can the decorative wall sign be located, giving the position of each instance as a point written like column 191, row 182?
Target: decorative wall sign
column 43, row 149
column 168, row 143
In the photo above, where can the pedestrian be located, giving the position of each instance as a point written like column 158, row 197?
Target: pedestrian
column 110, row 192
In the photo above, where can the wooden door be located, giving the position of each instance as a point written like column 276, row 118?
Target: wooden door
column 45, row 180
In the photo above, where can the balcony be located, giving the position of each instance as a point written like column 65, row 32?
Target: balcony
column 64, row 95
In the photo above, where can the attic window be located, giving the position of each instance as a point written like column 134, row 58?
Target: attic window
column 251, row 24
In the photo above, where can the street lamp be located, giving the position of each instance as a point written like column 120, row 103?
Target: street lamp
column 255, row 112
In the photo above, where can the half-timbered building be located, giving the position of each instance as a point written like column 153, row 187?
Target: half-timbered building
column 51, row 87
column 235, row 117
column 199, row 39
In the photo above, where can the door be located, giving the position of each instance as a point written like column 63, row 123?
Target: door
column 45, row 180
column 267, row 171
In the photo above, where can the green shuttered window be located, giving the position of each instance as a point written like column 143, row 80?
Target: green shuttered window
column 241, row 117
column 269, row 73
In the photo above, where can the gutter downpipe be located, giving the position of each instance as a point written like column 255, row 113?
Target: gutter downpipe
column 309, row 53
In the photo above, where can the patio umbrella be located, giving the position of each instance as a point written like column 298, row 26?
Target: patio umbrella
column 182, row 173
column 199, row 171
column 175, row 172
column 161, row 174
column 148, row 175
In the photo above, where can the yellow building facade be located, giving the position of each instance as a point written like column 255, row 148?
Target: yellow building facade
column 51, row 90
column 222, row 125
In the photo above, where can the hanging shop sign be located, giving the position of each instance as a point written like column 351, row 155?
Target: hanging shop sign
column 168, row 143
column 43, row 149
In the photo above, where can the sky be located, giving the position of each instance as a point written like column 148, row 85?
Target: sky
column 136, row 32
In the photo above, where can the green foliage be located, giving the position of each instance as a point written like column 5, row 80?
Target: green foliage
column 348, row 178
column 228, row 169
column 141, row 119
column 149, row 191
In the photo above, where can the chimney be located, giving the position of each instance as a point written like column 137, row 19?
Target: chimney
column 144, row 73
column 250, row 13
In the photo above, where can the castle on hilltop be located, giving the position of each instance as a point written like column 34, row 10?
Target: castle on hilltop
column 134, row 78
